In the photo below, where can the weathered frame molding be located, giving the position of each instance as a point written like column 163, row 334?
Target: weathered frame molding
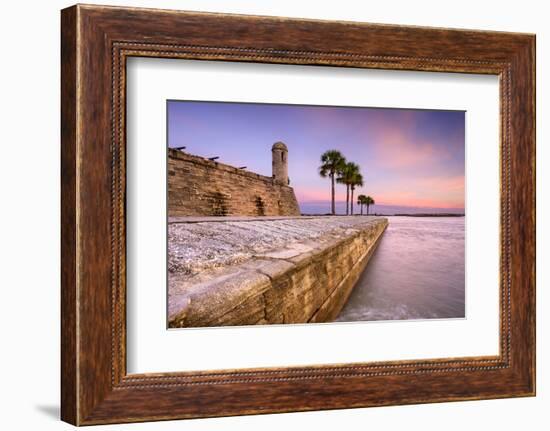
column 96, row 41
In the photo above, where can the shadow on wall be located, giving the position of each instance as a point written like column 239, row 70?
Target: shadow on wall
column 218, row 201
column 260, row 206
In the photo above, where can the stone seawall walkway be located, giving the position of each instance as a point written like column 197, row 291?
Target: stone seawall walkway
column 251, row 270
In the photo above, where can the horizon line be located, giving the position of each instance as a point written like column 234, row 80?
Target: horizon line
column 385, row 204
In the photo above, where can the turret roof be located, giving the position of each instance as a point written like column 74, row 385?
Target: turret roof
column 279, row 146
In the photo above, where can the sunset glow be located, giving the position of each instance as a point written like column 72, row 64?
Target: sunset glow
column 410, row 158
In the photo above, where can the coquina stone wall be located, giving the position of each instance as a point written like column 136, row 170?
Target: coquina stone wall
column 202, row 187
column 302, row 282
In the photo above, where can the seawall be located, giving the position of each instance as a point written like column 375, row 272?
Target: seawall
column 267, row 271
column 203, row 187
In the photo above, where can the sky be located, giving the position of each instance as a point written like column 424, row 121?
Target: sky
column 408, row 158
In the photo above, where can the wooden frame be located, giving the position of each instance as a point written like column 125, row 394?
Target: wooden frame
column 96, row 41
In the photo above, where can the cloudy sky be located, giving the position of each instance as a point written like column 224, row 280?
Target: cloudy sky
column 407, row 157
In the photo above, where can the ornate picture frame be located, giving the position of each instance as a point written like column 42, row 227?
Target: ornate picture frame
column 96, row 41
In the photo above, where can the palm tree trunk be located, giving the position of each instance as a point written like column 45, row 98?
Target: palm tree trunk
column 351, row 211
column 332, row 195
column 347, row 199
column 361, row 209
column 367, row 209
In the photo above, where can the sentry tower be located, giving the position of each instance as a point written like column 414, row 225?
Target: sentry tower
column 279, row 154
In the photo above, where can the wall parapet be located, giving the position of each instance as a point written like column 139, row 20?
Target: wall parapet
column 205, row 163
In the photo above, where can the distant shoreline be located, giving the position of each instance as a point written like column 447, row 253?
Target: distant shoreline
column 323, row 208
column 423, row 215
column 388, row 215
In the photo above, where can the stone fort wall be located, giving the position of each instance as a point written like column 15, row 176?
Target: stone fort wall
column 298, row 284
column 202, row 187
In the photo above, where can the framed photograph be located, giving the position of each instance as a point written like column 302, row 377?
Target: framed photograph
column 295, row 245
column 264, row 215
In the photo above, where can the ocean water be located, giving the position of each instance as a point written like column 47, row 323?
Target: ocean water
column 416, row 272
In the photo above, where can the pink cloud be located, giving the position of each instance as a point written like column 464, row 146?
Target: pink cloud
column 395, row 150
column 440, row 192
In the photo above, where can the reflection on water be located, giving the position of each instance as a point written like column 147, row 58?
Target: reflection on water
column 417, row 272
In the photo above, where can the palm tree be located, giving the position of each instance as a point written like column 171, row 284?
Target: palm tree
column 332, row 162
column 361, row 200
column 369, row 201
column 348, row 176
column 357, row 180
